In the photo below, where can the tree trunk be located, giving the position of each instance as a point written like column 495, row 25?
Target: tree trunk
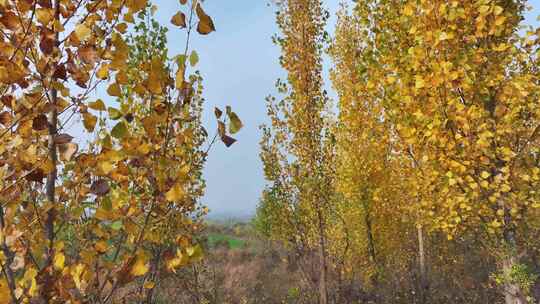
column 424, row 285
column 50, row 185
column 513, row 293
column 323, row 267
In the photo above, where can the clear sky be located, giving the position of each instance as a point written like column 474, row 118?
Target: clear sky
column 239, row 64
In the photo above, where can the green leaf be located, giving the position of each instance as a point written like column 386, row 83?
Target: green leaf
column 117, row 225
column 181, row 60
column 236, row 124
column 114, row 114
column 120, row 130
column 106, row 204
column 193, row 58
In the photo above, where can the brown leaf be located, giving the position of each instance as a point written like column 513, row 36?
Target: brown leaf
column 46, row 43
column 179, row 19
column 227, row 140
column 67, row 151
column 60, row 72
column 100, row 187
column 9, row 20
column 217, row 112
column 8, row 101
column 40, row 122
column 5, row 118
column 221, row 128
column 206, row 25
column 88, row 54
column 37, row 175
column 63, row 138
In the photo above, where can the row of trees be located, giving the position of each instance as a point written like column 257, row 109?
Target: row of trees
column 423, row 189
column 79, row 221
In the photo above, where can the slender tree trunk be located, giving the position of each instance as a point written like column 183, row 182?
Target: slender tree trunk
column 513, row 293
column 424, row 285
column 323, row 267
column 371, row 242
column 371, row 245
column 51, row 178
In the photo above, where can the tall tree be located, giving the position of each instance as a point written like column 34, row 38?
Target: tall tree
column 297, row 150
column 460, row 84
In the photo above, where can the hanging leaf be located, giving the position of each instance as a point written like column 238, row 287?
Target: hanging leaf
column 119, row 130
column 193, row 58
column 97, row 105
column 67, row 151
column 221, row 129
column 5, row 119
column 176, row 193
column 60, row 72
column 114, row 90
column 40, row 122
column 89, row 122
column 101, row 247
column 103, row 72
column 179, row 81
column 217, row 112
column 88, row 54
column 140, row 267
column 114, row 114
column 37, row 175
column 179, row 19
column 206, row 25
column 117, row 225
column 227, row 140
column 61, row 139
column 235, row 123
column 100, row 187
column 82, row 31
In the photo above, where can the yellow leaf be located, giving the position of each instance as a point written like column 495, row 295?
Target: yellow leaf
column 59, row 260
column 500, row 20
column 82, row 31
column 103, row 72
column 149, row 285
column 483, row 9
column 101, row 246
column 419, row 82
column 484, row 174
column 97, row 105
column 136, row 5
column 89, row 121
column 5, row 296
column 408, row 10
column 140, row 267
column 176, row 193
column 179, row 78
column 154, row 79
column 114, row 90
column 44, row 15
column 105, row 167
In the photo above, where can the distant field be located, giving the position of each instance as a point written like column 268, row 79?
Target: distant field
column 233, row 243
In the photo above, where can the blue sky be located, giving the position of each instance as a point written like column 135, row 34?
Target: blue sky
column 239, row 64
